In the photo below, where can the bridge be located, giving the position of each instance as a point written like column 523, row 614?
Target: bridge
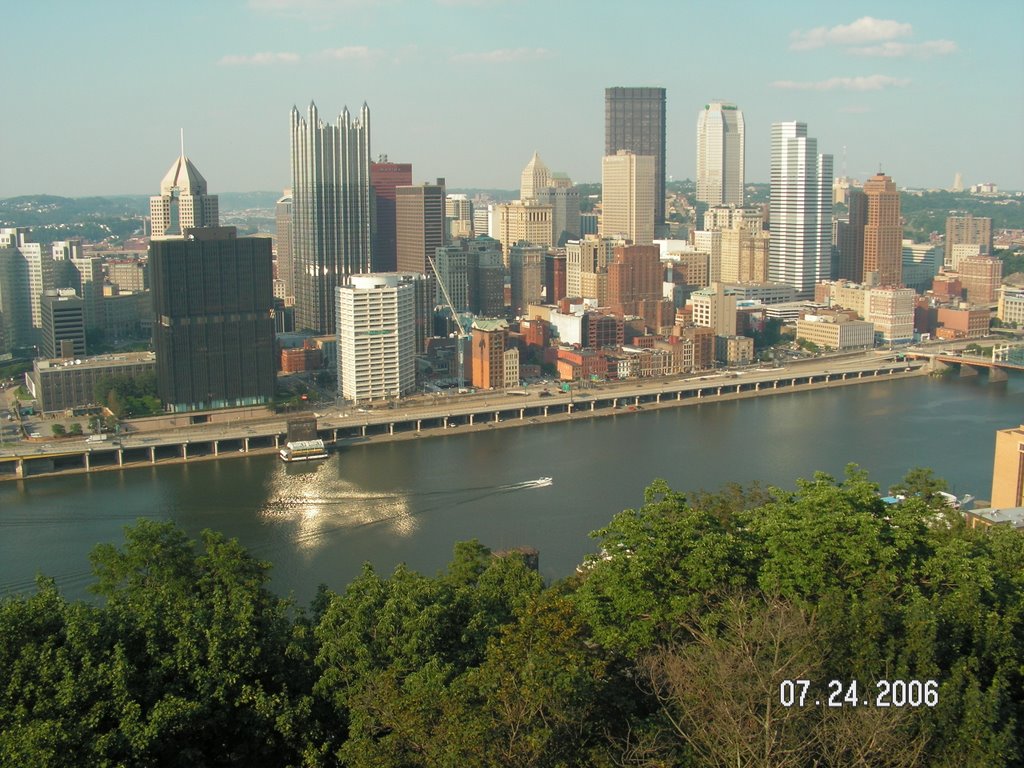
column 1004, row 359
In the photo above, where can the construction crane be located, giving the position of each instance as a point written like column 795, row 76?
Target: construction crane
column 462, row 336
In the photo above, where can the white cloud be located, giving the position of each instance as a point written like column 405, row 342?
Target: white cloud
column 232, row 60
column 892, row 49
column 864, row 30
column 861, row 83
column 502, row 55
column 349, row 53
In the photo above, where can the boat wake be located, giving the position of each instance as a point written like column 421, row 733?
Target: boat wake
column 540, row 482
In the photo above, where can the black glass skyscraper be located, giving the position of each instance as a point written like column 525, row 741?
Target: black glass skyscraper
column 214, row 329
column 634, row 119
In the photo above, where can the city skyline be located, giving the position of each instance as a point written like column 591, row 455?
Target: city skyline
column 847, row 73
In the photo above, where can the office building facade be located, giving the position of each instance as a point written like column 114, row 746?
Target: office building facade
column 634, row 120
column 883, row 233
column 331, row 211
column 63, row 331
column 720, row 154
column 419, row 225
column 627, row 202
column 214, row 328
column 376, row 336
column 385, row 177
column 801, row 209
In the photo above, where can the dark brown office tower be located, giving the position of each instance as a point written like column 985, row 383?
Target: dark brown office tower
column 634, row 283
column 850, row 238
column 883, row 232
column 420, row 225
column 554, row 276
column 634, row 119
column 485, row 273
column 384, row 178
column 214, row 330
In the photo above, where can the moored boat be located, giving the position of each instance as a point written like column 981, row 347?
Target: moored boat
column 304, row 450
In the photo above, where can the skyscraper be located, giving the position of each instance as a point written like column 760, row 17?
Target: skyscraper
column 627, row 201
column 534, row 178
column 720, row 152
column 183, row 202
column 634, row 119
column 376, row 336
column 331, row 210
column 883, row 233
column 385, row 177
column 419, row 225
column 850, row 237
column 214, row 333
column 283, row 242
column 801, row 209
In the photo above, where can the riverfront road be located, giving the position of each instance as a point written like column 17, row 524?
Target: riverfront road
column 431, row 416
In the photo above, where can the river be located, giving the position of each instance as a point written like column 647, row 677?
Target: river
column 410, row 501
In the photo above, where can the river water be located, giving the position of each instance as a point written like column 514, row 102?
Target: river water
column 410, row 501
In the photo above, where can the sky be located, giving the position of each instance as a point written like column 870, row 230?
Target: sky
column 468, row 89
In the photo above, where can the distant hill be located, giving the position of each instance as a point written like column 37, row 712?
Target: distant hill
column 115, row 217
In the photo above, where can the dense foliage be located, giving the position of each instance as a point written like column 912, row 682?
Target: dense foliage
column 668, row 649
column 128, row 396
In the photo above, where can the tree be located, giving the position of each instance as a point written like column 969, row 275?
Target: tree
column 75, row 429
column 58, row 430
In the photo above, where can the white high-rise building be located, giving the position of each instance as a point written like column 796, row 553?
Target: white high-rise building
column 184, row 201
column 627, row 197
column 331, row 211
column 534, row 178
column 376, row 321
column 800, row 253
column 720, row 151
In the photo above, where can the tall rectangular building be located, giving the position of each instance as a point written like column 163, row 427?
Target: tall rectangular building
column 63, row 324
column 850, row 237
column 627, row 202
column 526, row 266
column 376, row 336
column 331, row 211
column 720, row 154
column 420, row 225
column 801, row 209
column 968, row 230
column 883, row 233
column 385, row 177
column 634, row 120
column 485, row 272
column 214, row 329
column 283, row 242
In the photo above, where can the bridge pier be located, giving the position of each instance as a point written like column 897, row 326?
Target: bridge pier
column 391, row 428
column 86, row 457
column 966, row 371
column 216, row 447
column 471, row 419
column 419, row 424
column 152, row 454
column 245, row 444
column 120, row 457
column 996, row 375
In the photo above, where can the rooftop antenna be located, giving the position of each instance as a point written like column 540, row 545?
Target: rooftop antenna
column 182, row 141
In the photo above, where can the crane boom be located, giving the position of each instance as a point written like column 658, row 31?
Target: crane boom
column 458, row 322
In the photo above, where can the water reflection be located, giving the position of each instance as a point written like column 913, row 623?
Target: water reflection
column 312, row 503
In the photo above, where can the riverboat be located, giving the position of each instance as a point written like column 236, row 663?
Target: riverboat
column 304, row 450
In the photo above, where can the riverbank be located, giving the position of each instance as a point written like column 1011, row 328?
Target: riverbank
column 437, row 420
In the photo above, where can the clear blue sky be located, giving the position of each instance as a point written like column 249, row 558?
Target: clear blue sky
column 95, row 93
